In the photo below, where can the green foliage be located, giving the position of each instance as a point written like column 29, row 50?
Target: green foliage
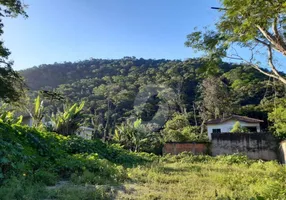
column 216, row 99
column 12, row 84
column 278, row 117
column 221, row 177
column 178, row 129
column 136, row 137
column 71, row 192
column 45, row 157
column 26, row 189
column 38, row 112
column 8, row 117
column 237, row 128
column 257, row 26
column 45, row 177
column 67, row 122
column 19, row 188
column 109, row 89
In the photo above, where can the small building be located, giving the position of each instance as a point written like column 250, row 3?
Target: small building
column 85, row 132
column 27, row 120
column 224, row 125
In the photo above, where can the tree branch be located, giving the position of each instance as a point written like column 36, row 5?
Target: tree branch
column 278, row 45
column 270, row 61
column 277, row 35
column 276, row 75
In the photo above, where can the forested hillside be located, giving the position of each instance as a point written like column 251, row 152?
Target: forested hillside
column 109, row 88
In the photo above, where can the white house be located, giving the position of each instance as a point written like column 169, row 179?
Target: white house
column 224, row 125
column 27, row 120
column 85, row 132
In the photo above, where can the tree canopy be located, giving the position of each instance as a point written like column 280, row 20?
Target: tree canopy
column 11, row 83
column 255, row 25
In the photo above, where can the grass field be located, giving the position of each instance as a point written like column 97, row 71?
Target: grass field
column 180, row 177
column 202, row 177
column 196, row 177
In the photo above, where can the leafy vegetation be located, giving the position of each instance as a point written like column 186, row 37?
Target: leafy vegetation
column 278, row 117
column 203, row 177
column 12, row 84
column 111, row 91
column 68, row 121
column 256, row 26
column 44, row 156
column 135, row 106
column 237, row 128
column 178, row 129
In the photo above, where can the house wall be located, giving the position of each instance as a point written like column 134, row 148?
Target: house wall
column 175, row 148
column 228, row 125
column 85, row 133
column 282, row 152
column 255, row 145
column 27, row 121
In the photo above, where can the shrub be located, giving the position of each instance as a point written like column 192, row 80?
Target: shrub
column 25, row 150
column 21, row 188
column 45, row 177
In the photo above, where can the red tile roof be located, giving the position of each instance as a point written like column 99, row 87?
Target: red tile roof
column 234, row 117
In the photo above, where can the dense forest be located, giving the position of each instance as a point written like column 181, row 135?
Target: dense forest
column 110, row 91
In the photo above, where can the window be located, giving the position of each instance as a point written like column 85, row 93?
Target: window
column 251, row 129
column 217, row 130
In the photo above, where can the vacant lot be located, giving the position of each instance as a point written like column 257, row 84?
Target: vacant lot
column 202, row 177
column 170, row 177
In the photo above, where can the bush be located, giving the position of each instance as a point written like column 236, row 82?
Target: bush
column 25, row 150
column 178, row 129
column 45, row 177
column 21, row 188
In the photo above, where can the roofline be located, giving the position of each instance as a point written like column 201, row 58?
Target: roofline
column 87, row 128
column 233, row 118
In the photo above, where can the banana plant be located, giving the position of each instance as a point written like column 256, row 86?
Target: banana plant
column 8, row 116
column 131, row 135
column 68, row 121
column 37, row 113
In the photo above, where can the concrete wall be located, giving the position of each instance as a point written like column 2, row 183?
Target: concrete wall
column 228, row 125
column 175, row 148
column 255, row 145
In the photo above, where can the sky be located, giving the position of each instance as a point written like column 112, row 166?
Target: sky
column 72, row 30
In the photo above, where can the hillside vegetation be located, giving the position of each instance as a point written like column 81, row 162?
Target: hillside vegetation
column 43, row 165
column 110, row 89
column 36, row 158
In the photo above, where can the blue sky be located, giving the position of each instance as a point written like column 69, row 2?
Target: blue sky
column 71, row 30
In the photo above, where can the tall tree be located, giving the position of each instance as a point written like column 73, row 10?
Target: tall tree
column 11, row 83
column 215, row 99
column 255, row 25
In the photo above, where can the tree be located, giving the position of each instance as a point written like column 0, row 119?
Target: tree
column 256, row 25
column 237, row 128
column 178, row 129
column 12, row 85
column 278, row 117
column 215, row 100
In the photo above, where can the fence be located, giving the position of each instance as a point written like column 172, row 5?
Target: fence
column 255, row 145
column 175, row 148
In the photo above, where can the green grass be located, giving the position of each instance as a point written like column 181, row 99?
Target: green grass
column 33, row 161
column 202, row 177
column 171, row 177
